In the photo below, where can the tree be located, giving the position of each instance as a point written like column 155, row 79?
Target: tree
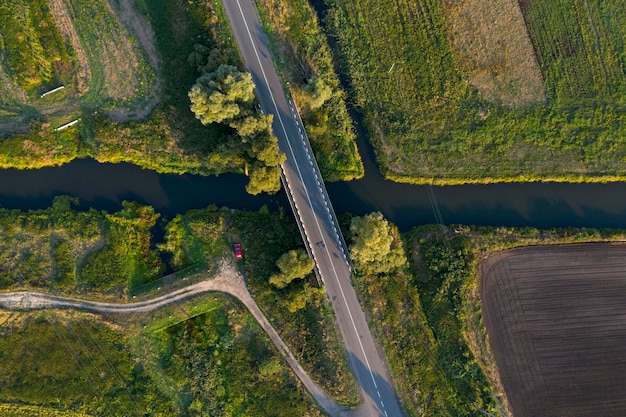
column 222, row 95
column 264, row 148
column 250, row 125
column 206, row 59
column 318, row 92
column 375, row 249
column 264, row 180
column 294, row 264
column 297, row 300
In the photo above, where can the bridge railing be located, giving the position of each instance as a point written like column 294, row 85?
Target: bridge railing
column 322, row 186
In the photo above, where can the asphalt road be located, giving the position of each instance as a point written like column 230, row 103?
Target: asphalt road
column 378, row 398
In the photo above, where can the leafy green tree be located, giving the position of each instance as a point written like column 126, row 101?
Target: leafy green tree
column 264, row 148
column 293, row 265
column 264, row 180
column 222, row 95
column 375, row 248
column 297, row 300
column 318, row 92
column 250, row 125
column 206, row 59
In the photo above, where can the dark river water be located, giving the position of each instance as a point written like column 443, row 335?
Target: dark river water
column 104, row 186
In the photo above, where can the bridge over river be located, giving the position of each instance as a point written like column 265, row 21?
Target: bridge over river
column 316, row 217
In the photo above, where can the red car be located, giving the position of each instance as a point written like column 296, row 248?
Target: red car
column 238, row 252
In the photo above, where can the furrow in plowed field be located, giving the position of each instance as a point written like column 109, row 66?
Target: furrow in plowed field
column 556, row 320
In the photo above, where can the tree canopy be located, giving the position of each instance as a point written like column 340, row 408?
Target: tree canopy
column 222, row 95
column 293, row 265
column 318, row 92
column 226, row 95
column 376, row 248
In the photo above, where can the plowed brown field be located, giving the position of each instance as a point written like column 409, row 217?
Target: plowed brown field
column 556, row 320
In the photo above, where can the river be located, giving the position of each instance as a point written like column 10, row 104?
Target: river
column 104, row 186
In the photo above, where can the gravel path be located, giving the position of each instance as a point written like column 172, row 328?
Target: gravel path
column 228, row 280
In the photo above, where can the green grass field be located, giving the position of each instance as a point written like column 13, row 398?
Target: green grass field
column 218, row 363
column 34, row 51
column 81, row 45
column 429, row 123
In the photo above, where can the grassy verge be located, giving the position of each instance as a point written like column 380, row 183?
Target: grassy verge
column 303, row 52
column 72, row 365
column 424, row 116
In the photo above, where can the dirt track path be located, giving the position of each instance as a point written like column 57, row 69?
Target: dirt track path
column 227, row 280
column 64, row 23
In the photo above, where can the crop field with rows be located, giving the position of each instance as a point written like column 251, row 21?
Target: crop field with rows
column 455, row 92
column 555, row 321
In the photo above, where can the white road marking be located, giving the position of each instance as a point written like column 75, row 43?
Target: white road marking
column 306, row 192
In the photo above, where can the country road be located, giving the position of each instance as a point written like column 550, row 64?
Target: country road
column 227, row 280
column 316, row 216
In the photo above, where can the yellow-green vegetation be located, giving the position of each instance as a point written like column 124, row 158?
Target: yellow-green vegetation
column 39, row 147
column 297, row 311
column 413, row 69
column 34, row 50
column 15, row 410
column 294, row 264
column 81, row 45
column 196, row 237
column 218, row 363
column 221, row 363
column 375, row 245
column 66, row 251
column 307, row 66
column 226, row 95
column 204, row 354
column 114, row 90
column 71, row 365
column 170, row 139
column 580, row 45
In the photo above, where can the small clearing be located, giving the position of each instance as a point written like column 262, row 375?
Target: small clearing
column 491, row 41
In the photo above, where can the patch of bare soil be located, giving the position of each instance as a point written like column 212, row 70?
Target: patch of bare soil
column 491, row 41
column 64, row 23
column 141, row 29
column 556, row 322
